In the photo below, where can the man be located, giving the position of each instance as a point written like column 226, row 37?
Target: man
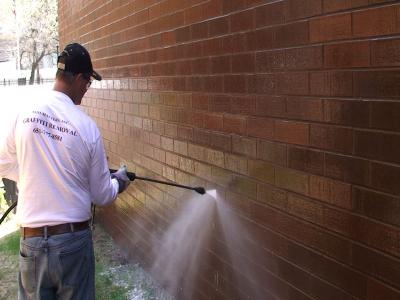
column 55, row 153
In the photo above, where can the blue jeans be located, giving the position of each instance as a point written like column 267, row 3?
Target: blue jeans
column 57, row 267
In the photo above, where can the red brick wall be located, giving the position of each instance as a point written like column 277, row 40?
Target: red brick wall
column 290, row 108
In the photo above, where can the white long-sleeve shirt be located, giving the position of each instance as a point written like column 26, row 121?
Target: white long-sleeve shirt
column 56, row 154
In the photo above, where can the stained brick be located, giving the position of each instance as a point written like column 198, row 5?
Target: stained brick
column 331, row 191
column 272, row 152
column 304, row 58
column 261, row 170
column 304, row 108
column 306, row 160
column 245, row 146
column 347, row 55
column 336, row 27
column 353, row 113
column 292, row 180
column 385, row 52
column 260, row 127
column 384, row 178
column 376, row 205
column 377, row 84
column 332, row 138
column 291, row 132
column 296, row 9
column 269, row 14
column 384, row 146
column 376, row 21
column 347, row 169
column 339, row 83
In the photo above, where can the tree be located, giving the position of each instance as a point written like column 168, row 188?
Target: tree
column 38, row 32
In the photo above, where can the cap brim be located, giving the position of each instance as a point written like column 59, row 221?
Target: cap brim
column 96, row 75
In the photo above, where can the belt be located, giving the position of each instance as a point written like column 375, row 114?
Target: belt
column 44, row 231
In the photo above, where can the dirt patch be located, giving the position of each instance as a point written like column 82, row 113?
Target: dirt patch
column 116, row 277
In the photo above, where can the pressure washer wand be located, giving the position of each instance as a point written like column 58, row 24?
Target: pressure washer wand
column 132, row 176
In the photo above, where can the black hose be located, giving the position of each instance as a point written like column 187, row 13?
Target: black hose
column 133, row 176
column 8, row 211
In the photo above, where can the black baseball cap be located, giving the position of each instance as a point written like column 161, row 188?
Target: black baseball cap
column 76, row 59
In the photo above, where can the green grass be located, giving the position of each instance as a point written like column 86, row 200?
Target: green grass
column 105, row 288
column 9, row 244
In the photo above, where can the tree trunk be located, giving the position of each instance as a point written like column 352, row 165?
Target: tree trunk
column 37, row 75
column 33, row 69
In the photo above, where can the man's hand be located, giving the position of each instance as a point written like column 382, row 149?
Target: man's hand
column 122, row 177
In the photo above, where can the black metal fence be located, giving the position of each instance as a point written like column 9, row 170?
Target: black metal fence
column 23, row 81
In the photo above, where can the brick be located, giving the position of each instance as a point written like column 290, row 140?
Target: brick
column 385, row 52
column 348, row 169
column 260, row 127
column 261, row 170
column 376, row 21
column 167, row 143
column 242, row 21
column 220, row 103
column 221, row 64
column 384, row 178
column 332, row 138
column 333, row 5
column 236, row 163
column 377, row 289
column 291, row 180
column 383, row 148
column 234, row 124
column 244, row 146
column 200, row 101
column 271, row 196
column 202, row 170
column 293, row 83
column 266, row 84
column 269, row 14
column 305, row 209
column 221, row 141
column 347, row 55
column 304, row 108
column 243, row 105
column 235, row 84
column 221, row 176
column 335, row 83
column 304, row 58
column 244, row 186
column 199, row 31
column 306, row 160
column 213, row 121
column 377, row 84
column 272, row 152
column 297, row 9
column 270, row 106
column 185, row 133
column 376, row 205
column 336, row 27
column 196, row 152
column 219, row 26
column 291, row 132
column 243, row 63
column 331, row 191
column 352, row 113
column 294, row 34
column 172, row 159
column 270, row 60
column 181, row 147
column 214, row 157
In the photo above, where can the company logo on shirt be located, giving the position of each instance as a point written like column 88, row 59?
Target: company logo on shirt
column 53, row 126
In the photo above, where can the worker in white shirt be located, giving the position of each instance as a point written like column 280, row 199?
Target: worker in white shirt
column 55, row 153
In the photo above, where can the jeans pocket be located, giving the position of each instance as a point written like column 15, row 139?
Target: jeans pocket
column 27, row 272
column 74, row 265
